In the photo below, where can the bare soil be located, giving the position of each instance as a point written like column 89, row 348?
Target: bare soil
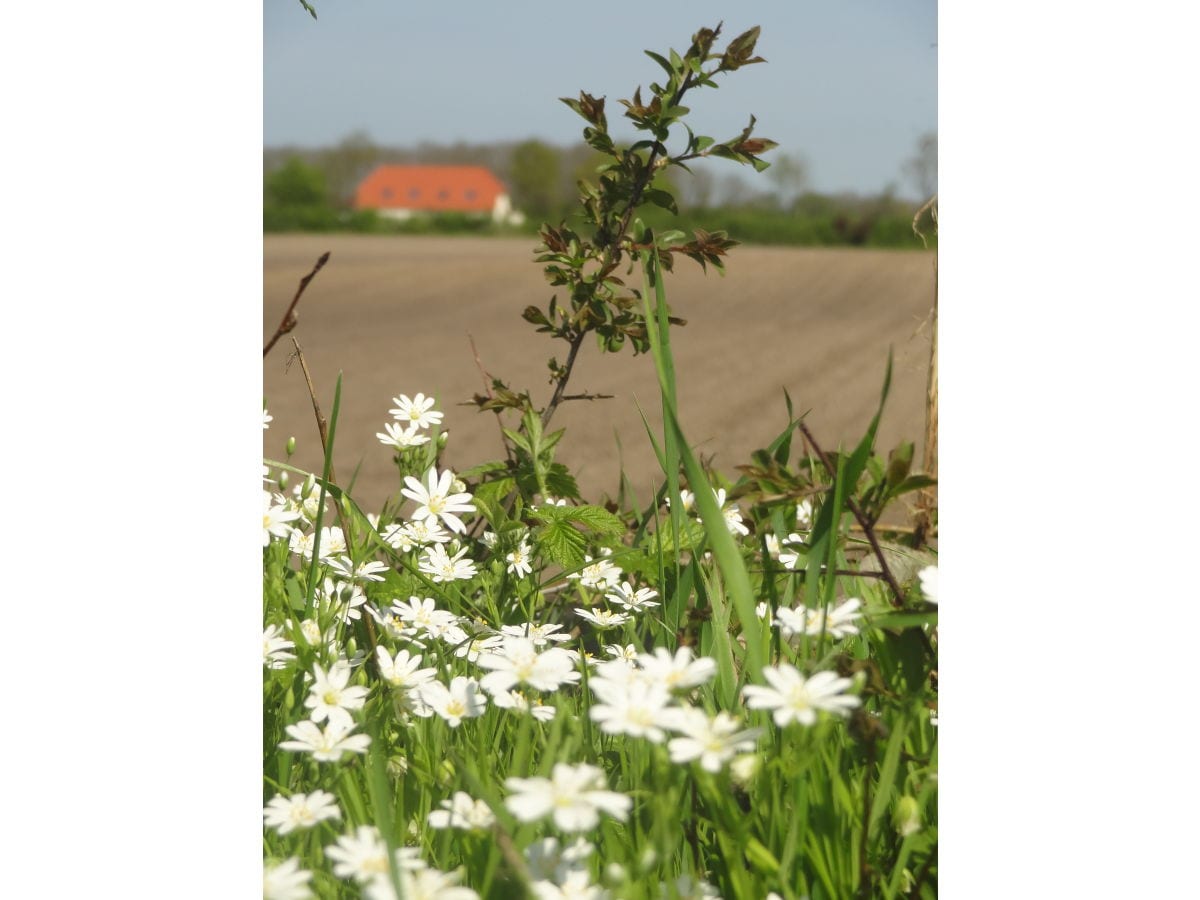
column 395, row 315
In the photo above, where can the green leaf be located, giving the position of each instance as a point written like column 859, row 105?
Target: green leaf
column 662, row 62
column 913, row 483
column 561, row 542
column 660, row 198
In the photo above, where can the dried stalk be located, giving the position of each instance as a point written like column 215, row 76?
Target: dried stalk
column 289, row 317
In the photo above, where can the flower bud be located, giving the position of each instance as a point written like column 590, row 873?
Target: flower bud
column 282, row 481
column 446, row 772
column 441, row 438
column 615, row 874
column 460, row 486
column 397, row 766
column 743, row 768
column 649, row 859
column 290, row 446
column 907, row 816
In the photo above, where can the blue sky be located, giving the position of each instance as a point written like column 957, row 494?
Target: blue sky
column 849, row 86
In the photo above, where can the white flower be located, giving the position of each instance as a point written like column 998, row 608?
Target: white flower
column 441, row 566
column 267, row 418
column 553, row 501
column 417, row 533
column 518, row 662
column 929, row 583
column 343, row 598
column 327, row 745
column 275, row 519
column 417, row 412
column 687, row 499
column 602, row 618
column 629, row 653
column 474, row 647
column 543, row 712
column 635, row 708
column 793, row 698
column 367, row 570
column 733, row 518
column 286, row 881
column 395, row 435
column 461, row 811
column 575, row 795
column 519, row 560
column 436, row 499
column 275, row 648
column 363, row 855
column 539, row 634
column 286, row 814
column 423, row 614
column 804, row 514
column 772, row 542
column 576, row 886
column 422, row 884
column 678, row 671
column 333, row 543
column 790, row 559
column 548, row 861
column 331, row 698
column 624, row 595
column 462, row 700
column 598, row 573
column 713, row 741
column 812, row 622
column 763, row 611
column 402, row 671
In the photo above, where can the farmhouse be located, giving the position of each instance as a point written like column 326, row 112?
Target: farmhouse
column 400, row 192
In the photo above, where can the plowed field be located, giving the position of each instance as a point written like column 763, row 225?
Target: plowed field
column 397, row 314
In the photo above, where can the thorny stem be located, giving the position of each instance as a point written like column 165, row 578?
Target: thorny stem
column 561, row 386
column 289, row 317
column 612, row 249
column 863, row 521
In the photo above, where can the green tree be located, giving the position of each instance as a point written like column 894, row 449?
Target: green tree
column 347, row 164
column 295, row 185
column 534, row 177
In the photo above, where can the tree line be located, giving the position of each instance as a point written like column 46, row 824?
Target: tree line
column 312, row 189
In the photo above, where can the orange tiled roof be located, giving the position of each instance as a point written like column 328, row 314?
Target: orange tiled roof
column 429, row 188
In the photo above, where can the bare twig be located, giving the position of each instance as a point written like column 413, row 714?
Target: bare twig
column 588, row 396
column 863, row 521
column 487, row 386
column 289, row 317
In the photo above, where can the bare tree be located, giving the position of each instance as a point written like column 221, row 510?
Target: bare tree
column 789, row 174
column 922, row 168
